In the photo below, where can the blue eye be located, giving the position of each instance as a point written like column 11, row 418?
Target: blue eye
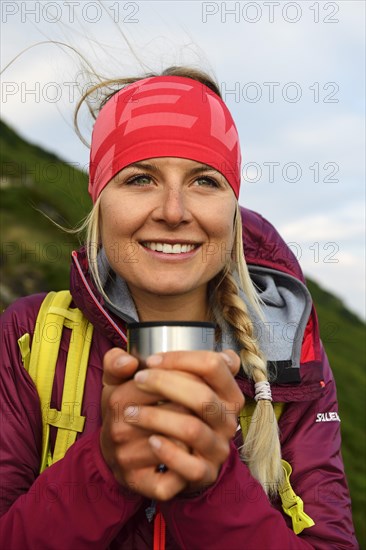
column 205, row 180
column 140, row 179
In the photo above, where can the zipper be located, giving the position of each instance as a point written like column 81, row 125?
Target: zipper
column 92, row 295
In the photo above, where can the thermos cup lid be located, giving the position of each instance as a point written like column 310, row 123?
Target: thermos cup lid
column 147, row 338
column 170, row 324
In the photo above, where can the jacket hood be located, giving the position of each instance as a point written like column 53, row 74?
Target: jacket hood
column 263, row 245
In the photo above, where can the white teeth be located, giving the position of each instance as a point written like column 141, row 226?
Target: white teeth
column 169, row 248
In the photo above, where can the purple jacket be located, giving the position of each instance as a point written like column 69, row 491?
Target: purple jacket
column 76, row 504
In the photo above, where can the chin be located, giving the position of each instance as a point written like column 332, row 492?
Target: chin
column 170, row 289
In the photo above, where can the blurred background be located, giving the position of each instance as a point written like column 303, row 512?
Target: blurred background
column 292, row 74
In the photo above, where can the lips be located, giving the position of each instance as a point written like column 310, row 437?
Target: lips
column 170, row 248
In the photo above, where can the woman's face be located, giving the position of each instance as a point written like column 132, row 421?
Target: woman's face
column 167, row 225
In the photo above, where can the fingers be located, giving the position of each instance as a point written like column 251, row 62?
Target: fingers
column 219, row 412
column 137, row 454
column 123, row 443
column 197, row 471
column 233, row 362
column 182, row 428
column 119, row 388
column 148, row 420
column 216, row 369
column 156, row 485
column 118, row 366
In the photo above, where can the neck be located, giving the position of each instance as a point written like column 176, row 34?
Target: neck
column 188, row 307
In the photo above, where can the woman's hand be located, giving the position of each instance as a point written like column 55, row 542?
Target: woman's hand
column 203, row 383
column 124, row 442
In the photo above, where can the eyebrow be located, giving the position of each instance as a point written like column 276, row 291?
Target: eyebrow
column 143, row 166
column 203, row 168
column 154, row 168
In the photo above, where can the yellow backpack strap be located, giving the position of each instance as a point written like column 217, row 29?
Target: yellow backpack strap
column 292, row 504
column 24, row 346
column 41, row 360
column 69, row 420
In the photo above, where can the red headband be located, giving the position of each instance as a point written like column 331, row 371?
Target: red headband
column 163, row 116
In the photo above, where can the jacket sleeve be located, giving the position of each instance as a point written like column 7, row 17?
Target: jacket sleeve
column 313, row 448
column 236, row 513
column 74, row 503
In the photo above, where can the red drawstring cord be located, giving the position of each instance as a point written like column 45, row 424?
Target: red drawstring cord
column 159, row 530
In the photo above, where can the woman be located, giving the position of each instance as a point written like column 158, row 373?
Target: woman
column 164, row 243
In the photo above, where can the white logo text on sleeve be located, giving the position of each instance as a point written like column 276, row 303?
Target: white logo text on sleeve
column 327, row 417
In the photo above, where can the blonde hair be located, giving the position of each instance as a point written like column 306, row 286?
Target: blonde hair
column 261, row 449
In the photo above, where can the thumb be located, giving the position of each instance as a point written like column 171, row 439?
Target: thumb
column 233, row 361
column 118, row 366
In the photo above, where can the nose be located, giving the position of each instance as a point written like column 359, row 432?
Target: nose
column 173, row 207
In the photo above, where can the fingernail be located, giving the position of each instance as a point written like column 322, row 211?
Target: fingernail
column 154, row 360
column 141, row 376
column 122, row 360
column 155, row 442
column 226, row 358
column 131, row 412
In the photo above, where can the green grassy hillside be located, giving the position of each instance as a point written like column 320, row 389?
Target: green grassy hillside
column 35, row 256
column 343, row 335
column 34, row 252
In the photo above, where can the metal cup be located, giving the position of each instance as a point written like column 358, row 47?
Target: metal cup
column 145, row 339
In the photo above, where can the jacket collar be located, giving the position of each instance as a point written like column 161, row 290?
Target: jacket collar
column 87, row 298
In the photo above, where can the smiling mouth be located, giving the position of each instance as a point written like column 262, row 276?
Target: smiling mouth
column 168, row 248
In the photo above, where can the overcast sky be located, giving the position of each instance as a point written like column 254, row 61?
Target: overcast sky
column 292, row 74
